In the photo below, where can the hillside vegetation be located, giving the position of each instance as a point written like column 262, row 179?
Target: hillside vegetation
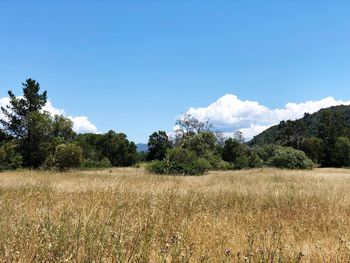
column 323, row 136
column 126, row 215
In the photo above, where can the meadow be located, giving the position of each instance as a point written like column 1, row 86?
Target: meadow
column 129, row 215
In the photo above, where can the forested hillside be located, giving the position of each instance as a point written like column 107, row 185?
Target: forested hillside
column 323, row 136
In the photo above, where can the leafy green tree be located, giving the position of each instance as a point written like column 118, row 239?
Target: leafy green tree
column 202, row 143
column 291, row 133
column 342, row 152
column 10, row 158
column 331, row 126
column 91, row 145
column 232, row 150
column 313, row 148
column 63, row 129
column 117, row 148
column 38, row 145
column 67, row 156
column 158, row 144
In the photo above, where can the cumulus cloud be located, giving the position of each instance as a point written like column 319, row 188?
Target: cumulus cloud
column 229, row 113
column 81, row 124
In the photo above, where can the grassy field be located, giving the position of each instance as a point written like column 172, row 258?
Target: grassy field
column 127, row 215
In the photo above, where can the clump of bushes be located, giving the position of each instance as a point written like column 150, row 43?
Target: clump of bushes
column 9, row 156
column 66, row 156
column 180, row 161
column 289, row 158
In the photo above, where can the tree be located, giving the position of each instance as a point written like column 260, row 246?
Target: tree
column 202, row 143
column 331, row 126
column 342, row 152
column 117, row 148
column 313, row 148
column 236, row 153
column 232, row 149
column 67, row 156
column 9, row 156
column 39, row 144
column 158, row 144
column 188, row 125
column 291, row 133
column 19, row 108
column 63, row 129
column 25, row 121
column 4, row 137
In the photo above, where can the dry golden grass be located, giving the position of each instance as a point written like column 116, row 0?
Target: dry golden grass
column 127, row 215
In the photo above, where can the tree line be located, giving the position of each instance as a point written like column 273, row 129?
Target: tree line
column 30, row 137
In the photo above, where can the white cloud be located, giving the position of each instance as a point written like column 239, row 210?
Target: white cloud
column 81, row 124
column 229, row 113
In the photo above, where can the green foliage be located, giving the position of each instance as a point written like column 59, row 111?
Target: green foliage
column 316, row 134
column 240, row 156
column 62, row 129
column 10, row 158
column 231, row 150
column 313, row 148
column 4, row 137
column 38, row 143
column 36, row 131
column 342, row 152
column 287, row 157
column 113, row 146
column 67, row 156
column 117, row 148
column 19, row 108
column 202, row 143
column 180, row 161
column 158, row 144
column 215, row 162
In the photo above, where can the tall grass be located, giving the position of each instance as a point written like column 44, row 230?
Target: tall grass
column 127, row 215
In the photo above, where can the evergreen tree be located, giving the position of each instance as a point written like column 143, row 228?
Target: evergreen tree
column 25, row 121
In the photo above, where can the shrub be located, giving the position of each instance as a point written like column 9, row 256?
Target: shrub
column 67, row 156
column 287, row 157
column 254, row 161
column 9, row 157
column 216, row 163
column 180, row 161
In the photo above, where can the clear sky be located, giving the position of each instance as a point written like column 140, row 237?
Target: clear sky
column 134, row 66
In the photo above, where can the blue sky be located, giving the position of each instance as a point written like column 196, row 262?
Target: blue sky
column 134, row 66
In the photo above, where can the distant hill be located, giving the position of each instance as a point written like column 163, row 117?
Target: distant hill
column 324, row 136
column 141, row 147
column 335, row 120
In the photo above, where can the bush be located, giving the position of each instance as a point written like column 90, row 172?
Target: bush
column 9, row 157
column 67, row 156
column 216, row 163
column 287, row 157
column 180, row 161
